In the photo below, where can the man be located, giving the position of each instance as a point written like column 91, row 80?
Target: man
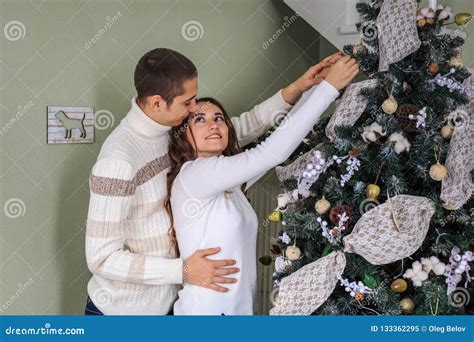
column 135, row 270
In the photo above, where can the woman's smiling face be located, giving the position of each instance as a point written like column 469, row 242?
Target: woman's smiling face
column 210, row 131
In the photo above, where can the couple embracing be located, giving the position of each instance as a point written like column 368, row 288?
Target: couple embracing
column 169, row 228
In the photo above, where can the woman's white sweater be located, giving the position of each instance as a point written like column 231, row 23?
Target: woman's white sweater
column 210, row 209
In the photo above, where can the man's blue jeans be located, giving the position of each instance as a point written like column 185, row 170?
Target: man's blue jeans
column 92, row 310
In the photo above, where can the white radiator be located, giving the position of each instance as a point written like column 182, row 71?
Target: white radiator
column 263, row 197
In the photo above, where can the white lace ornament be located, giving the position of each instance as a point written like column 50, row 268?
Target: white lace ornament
column 304, row 291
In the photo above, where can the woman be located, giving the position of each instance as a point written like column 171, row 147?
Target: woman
column 205, row 200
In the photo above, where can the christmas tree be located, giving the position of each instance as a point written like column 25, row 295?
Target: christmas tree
column 377, row 211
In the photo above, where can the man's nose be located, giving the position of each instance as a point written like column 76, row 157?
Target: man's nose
column 193, row 107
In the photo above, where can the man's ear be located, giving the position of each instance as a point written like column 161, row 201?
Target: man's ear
column 156, row 103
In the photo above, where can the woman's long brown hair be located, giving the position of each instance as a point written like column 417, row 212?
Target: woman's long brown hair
column 181, row 151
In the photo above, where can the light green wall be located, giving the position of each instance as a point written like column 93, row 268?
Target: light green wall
column 42, row 263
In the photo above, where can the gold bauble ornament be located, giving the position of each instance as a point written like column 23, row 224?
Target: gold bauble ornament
column 275, row 216
column 390, row 105
column 372, row 191
column 407, row 305
column 322, row 206
column 398, row 285
column 456, row 61
column 293, row 253
column 447, row 131
column 359, row 296
column 438, row 172
column 462, row 19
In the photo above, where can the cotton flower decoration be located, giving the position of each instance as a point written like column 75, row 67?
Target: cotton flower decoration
column 416, row 274
column 283, row 201
column 298, row 193
column 399, row 142
column 425, row 16
column 446, row 13
column 433, row 264
column 427, row 12
column 420, row 270
column 373, row 132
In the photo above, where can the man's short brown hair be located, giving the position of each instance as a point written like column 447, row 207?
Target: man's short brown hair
column 163, row 72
